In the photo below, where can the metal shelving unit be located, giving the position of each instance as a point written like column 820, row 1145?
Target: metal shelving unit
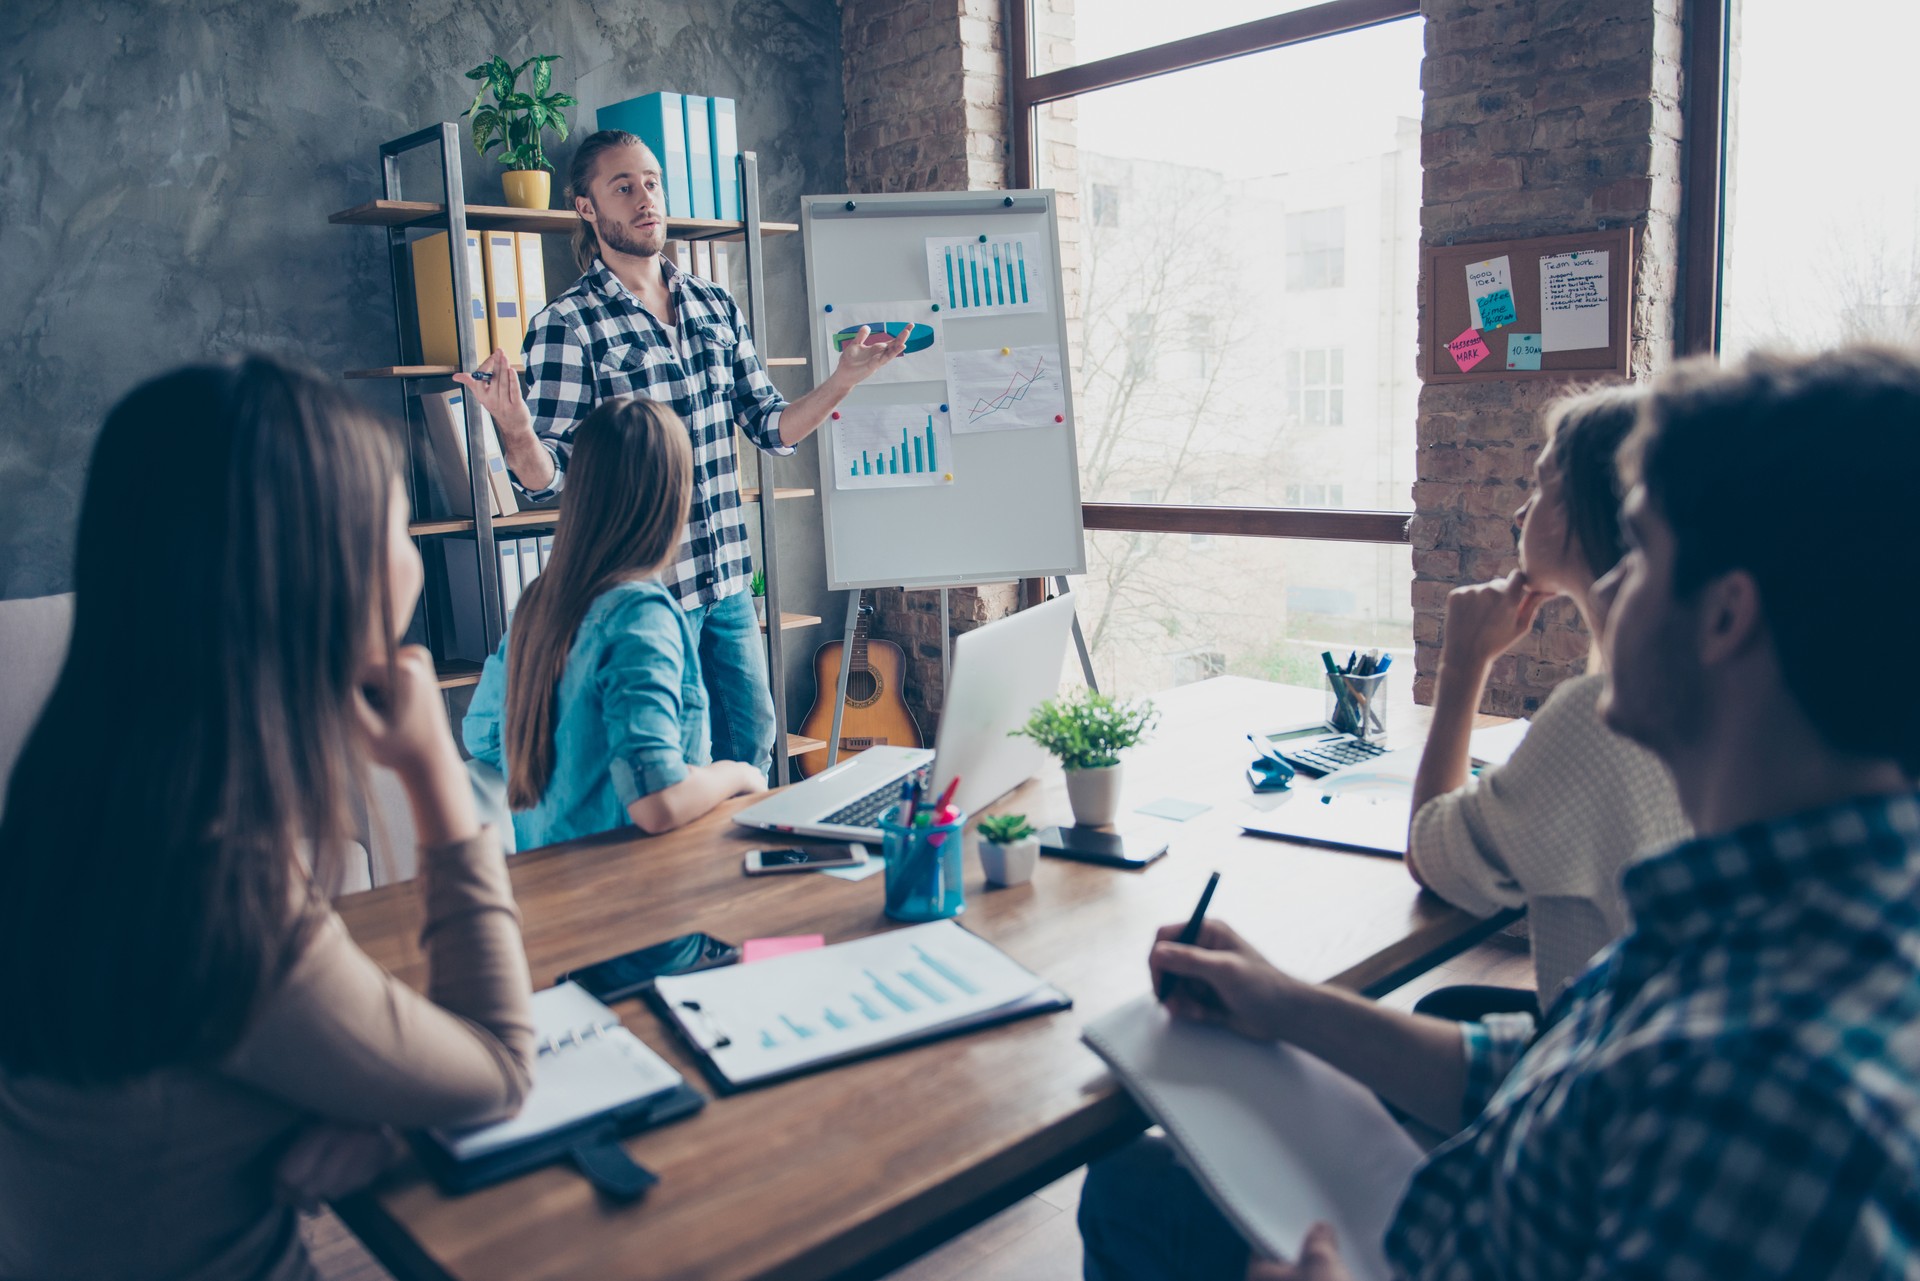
column 399, row 216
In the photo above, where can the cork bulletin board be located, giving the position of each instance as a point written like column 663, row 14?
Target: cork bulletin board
column 1492, row 290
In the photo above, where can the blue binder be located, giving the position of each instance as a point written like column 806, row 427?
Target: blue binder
column 658, row 120
column 700, row 155
column 726, row 159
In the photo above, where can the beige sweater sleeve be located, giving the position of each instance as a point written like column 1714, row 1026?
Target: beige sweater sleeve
column 343, row 1038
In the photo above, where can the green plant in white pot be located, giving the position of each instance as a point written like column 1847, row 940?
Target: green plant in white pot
column 758, row 586
column 1086, row 731
column 1008, row 849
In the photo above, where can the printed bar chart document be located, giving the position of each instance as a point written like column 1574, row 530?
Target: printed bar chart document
column 759, row 1023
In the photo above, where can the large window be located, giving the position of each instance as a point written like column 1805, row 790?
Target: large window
column 1822, row 239
column 1241, row 306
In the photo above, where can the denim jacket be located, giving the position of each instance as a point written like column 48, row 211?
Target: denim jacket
column 632, row 715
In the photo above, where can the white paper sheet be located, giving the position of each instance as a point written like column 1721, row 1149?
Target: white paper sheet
column 988, row 275
column 925, row 357
column 1490, row 292
column 1006, row 388
column 1277, row 1138
column 1494, row 745
column 1573, row 301
column 892, row 446
column 793, row 1011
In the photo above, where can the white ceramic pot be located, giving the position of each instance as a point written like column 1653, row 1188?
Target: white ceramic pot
column 1009, row 864
column 1094, row 795
column 760, row 609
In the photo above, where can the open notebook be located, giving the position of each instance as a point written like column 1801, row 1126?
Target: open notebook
column 593, row 1081
column 1276, row 1137
column 752, row 1024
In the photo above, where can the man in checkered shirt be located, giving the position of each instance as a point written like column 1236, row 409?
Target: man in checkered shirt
column 1733, row 1089
column 635, row 323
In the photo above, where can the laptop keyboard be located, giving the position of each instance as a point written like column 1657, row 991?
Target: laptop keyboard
column 865, row 811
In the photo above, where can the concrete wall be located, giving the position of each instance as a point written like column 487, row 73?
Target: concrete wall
column 170, row 168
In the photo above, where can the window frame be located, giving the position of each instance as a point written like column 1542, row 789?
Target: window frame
column 1028, row 92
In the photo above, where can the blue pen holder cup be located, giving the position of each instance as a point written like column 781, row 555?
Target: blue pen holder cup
column 923, row 868
column 1357, row 705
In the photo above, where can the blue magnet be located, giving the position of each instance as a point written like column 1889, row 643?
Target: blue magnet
column 983, row 239
column 829, row 307
column 943, row 409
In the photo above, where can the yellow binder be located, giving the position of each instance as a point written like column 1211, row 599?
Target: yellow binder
column 433, row 301
column 503, row 292
column 533, row 275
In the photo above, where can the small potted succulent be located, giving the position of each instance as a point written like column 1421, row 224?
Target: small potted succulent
column 1087, row 731
column 758, row 586
column 516, row 121
column 1008, row 849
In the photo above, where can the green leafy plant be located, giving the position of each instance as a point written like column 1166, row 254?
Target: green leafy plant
column 1005, row 829
column 758, row 584
column 1088, row 730
column 516, row 120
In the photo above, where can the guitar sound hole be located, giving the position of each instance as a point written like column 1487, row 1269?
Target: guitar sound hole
column 863, row 688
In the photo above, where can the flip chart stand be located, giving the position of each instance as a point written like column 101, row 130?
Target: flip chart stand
column 946, row 657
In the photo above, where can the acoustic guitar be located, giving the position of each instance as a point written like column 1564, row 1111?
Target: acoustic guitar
column 876, row 712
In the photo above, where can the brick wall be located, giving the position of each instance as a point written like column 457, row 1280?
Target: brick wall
column 926, row 92
column 1542, row 117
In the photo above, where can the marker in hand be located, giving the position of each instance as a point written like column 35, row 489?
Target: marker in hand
column 1189, row 936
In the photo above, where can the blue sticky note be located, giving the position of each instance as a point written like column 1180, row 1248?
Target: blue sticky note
column 1523, row 351
column 1496, row 309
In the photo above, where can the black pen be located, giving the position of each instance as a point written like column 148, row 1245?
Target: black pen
column 1191, row 934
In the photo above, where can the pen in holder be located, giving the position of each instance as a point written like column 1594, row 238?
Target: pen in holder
column 1357, row 705
column 923, row 868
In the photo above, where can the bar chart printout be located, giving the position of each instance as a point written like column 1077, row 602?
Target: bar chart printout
column 794, row 1011
column 892, row 446
column 988, row 275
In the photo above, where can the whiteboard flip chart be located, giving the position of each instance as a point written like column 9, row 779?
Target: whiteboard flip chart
column 1573, row 301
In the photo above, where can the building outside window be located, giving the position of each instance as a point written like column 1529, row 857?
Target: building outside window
column 1317, row 249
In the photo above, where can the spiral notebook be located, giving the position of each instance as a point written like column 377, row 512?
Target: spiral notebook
column 593, row 1081
column 1276, row 1137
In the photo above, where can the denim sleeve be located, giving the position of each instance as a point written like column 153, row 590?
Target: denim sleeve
column 639, row 681
column 486, row 715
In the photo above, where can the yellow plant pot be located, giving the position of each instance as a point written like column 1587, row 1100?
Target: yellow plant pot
column 528, row 188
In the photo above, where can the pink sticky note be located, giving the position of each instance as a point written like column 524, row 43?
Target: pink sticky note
column 767, row 949
column 1468, row 350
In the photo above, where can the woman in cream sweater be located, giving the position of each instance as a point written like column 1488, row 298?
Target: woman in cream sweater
column 190, row 1043
column 1550, row 829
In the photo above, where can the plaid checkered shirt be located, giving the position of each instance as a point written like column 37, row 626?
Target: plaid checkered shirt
column 1731, row 1090
column 595, row 341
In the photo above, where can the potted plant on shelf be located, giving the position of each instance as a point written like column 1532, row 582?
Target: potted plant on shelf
column 1087, row 732
column 1008, row 849
column 516, row 121
column 758, row 586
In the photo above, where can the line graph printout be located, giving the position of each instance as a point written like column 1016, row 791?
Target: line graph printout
column 892, row 446
column 1006, row 388
column 988, row 275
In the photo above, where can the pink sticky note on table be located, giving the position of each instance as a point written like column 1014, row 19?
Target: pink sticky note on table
column 767, row 949
column 1468, row 350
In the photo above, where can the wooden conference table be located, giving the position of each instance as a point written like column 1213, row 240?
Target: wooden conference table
column 854, row 1170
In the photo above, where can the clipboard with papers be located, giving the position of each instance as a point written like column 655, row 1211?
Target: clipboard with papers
column 751, row 1025
column 1365, row 807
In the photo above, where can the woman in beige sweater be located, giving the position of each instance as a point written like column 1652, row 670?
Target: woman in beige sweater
column 1550, row 829
column 190, row 1044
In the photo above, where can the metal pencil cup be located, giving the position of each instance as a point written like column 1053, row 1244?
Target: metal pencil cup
column 923, row 868
column 1357, row 705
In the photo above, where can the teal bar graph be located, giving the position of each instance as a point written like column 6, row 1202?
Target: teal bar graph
column 883, row 446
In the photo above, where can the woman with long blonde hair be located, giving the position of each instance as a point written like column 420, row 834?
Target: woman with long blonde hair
column 593, row 706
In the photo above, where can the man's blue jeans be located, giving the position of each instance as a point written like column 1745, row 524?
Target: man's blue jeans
column 1144, row 1218
column 733, row 663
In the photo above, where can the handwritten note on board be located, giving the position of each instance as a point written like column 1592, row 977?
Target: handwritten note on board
column 1523, row 351
column 1468, row 350
column 1490, row 289
column 1573, row 301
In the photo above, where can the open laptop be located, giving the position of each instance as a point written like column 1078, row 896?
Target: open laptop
column 1001, row 672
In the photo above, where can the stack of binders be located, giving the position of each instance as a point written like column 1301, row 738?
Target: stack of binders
column 697, row 142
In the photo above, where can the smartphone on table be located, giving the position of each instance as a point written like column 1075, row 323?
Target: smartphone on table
column 622, row 976
column 766, row 862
